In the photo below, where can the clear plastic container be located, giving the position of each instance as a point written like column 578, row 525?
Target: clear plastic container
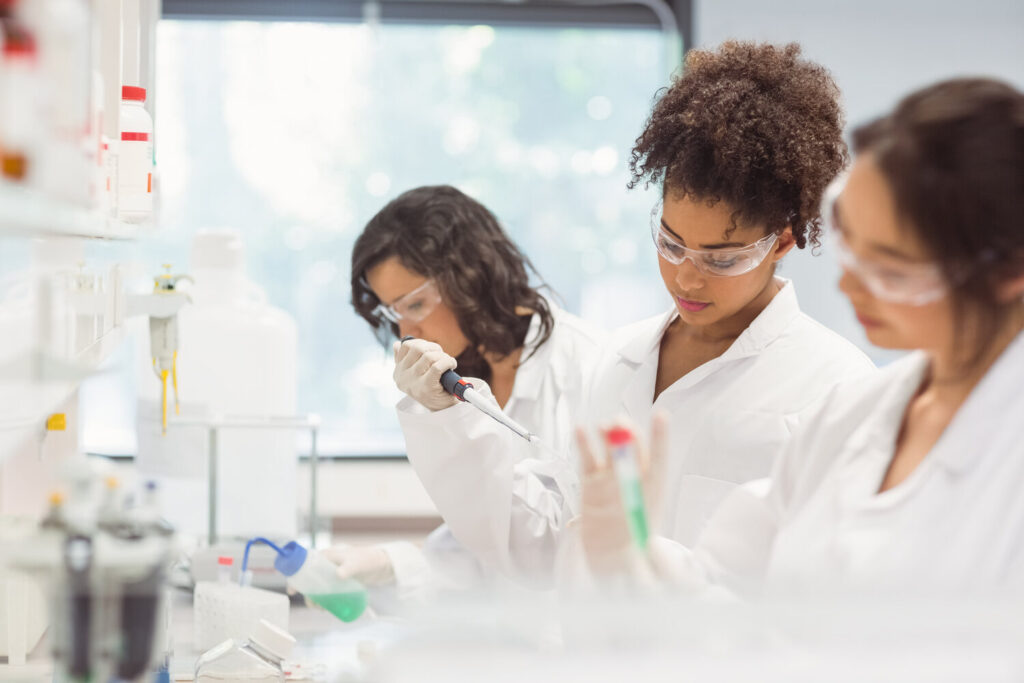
column 317, row 578
column 260, row 659
column 135, row 158
column 223, row 609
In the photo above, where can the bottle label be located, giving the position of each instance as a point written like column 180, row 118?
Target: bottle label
column 135, row 173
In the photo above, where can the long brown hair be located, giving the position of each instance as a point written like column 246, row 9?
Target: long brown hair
column 443, row 234
column 953, row 157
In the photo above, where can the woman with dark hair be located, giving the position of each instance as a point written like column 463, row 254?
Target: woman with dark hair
column 909, row 479
column 436, row 265
column 742, row 145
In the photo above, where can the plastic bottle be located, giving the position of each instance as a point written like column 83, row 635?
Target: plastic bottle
column 135, row 158
column 258, row 660
column 63, row 35
column 19, row 105
column 108, row 186
column 224, row 564
column 317, row 578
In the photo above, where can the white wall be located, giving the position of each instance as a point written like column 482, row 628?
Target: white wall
column 877, row 50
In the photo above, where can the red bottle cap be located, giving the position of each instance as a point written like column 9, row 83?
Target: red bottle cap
column 225, row 561
column 20, row 46
column 619, row 436
column 133, row 93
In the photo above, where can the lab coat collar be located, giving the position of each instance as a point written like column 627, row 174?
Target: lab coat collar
column 763, row 330
column 640, row 346
column 768, row 326
column 531, row 371
column 899, row 381
column 986, row 412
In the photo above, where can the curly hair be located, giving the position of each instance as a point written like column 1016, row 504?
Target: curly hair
column 752, row 125
column 440, row 233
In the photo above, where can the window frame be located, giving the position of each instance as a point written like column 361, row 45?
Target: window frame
column 674, row 16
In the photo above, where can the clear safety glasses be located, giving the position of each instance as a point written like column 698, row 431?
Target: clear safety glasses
column 914, row 284
column 413, row 307
column 714, row 262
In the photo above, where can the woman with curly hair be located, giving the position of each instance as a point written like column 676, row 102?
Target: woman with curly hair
column 742, row 145
column 436, row 265
column 907, row 481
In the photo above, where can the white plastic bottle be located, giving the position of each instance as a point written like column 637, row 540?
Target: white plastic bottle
column 135, row 158
column 19, row 105
column 224, row 564
column 238, row 355
column 63, row 33
column 260, row 659
column 317, row 579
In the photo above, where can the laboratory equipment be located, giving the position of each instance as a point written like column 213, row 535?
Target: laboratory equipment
column 317, row 579
column 464, row 391
column 455, row 385
column 104, row 559
column 22, row 602
column 162, row 307
column 135, row 158
column 713, row 262
column 223, row 609
column 65, row 165
column 238, row 374
column 622, row 448
column 260, row 659
column 19, row 99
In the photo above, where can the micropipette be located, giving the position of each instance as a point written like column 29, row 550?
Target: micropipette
column 455, row 385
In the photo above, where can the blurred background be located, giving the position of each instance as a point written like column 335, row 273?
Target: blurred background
column 295, row 122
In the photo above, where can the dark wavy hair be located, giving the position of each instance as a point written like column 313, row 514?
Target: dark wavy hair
column 750, row 124
column 952, row 155
column 443, row 234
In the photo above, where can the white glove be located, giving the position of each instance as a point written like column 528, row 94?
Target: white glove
column 419, row 365
column 368, row 564
column 604, row 531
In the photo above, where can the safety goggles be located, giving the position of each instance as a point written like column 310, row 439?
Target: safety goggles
column 914, row 284
column 412, row 307
column 714, row 262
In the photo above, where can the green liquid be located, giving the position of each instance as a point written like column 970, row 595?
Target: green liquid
column 633, row 501
column 345, row 606
column 638, row 526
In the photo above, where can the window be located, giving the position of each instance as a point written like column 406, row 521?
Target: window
column 297, row 133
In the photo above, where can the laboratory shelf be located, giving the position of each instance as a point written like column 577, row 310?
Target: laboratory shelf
column 34, row 385
column 25, row 212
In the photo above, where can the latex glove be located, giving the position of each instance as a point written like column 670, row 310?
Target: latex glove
column 419, row 365
column 368, row 564
column 604, row 531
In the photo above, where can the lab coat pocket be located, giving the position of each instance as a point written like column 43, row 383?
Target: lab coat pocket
column 740, row 447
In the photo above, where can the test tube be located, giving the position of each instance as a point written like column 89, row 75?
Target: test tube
column 622, row 446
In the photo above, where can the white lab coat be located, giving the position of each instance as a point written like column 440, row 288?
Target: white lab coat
column 730, row 418
column 545, row 397
column 956, row 523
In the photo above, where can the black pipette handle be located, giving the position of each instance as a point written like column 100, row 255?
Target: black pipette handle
column 450, row 380
column 455, row 385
